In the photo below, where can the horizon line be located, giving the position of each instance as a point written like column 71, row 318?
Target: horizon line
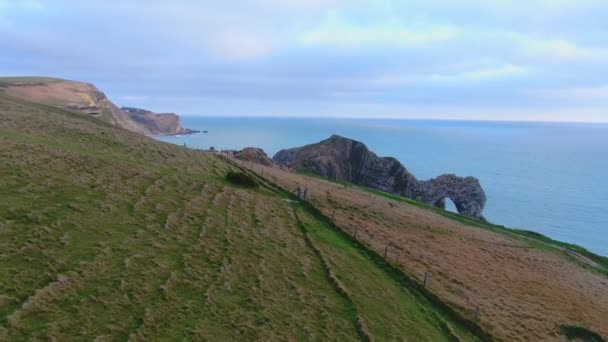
column 394, row 118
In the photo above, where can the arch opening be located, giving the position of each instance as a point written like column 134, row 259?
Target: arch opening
column 447, row 203
column 450, row 205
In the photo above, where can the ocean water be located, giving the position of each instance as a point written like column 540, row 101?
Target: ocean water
column 546, row 177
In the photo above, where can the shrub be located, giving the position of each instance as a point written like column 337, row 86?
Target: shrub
column 575, row 333
column 242, row 179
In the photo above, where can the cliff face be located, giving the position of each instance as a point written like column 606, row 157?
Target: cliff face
column 157, row 124
column 86, row 98
column 70, row 95
column 345, row 159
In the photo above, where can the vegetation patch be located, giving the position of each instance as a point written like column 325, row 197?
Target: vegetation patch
column 574, row 333
column 241, row 179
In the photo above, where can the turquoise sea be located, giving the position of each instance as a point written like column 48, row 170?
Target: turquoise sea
column 546, row 177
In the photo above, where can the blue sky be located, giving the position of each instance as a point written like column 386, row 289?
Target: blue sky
column 457, row 59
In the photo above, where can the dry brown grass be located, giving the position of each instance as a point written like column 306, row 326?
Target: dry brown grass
column 524, row 292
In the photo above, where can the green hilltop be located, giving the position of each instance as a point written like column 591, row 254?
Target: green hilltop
column 107, row 234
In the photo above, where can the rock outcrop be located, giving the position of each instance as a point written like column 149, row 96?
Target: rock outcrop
column 253, row 154
column 346, row 159
column 157, row 124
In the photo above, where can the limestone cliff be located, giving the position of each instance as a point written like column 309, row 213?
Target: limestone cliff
column 157, row 124
column 87, row 99
column 71, row 95
column 345, row 159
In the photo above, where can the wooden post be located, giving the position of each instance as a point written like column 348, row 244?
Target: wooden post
column 385, row 251
column 477, row 314
column 333, row 215
column 426, row 275
column 355, row 236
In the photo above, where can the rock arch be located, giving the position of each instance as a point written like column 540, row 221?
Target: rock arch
column 466, row 193
column 350, row 160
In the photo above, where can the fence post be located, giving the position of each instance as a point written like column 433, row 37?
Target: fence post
column 355, row 236
column 477, row 314
column 426, row 275
column 385, row 251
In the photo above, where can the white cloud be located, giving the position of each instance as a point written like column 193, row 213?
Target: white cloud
column 31, row 5
column 500, row 72
column 581, row 94
column 303, row 4
column 240, row 45
column 537, row 8
column 560, row 51
column 335, row 31
column 382, row 51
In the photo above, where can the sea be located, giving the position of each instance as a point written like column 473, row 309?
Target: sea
column 551, row 178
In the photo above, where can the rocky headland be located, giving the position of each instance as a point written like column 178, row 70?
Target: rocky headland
column 158, row 123
column 349, row 160
column 254, row 154
column 87, row 99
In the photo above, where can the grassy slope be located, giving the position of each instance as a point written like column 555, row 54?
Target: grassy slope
column 506, row 274
column 543, row 241
column 105, row 233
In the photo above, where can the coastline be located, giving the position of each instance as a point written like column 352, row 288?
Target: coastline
column 519, row 165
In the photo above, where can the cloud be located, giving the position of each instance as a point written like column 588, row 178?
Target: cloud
column 303, row 4
column 596, row 94
column 562, row 51
column 239, row 45
column 336, row 32
column 21, row 5
column 482, row 75
column 501, row 72
column 315, row 56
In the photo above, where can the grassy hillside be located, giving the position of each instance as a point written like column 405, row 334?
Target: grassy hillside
column 525, row 286
column 108, row 235
column 588, row 259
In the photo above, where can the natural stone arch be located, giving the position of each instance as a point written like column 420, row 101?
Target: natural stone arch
column 466, row 193
column 349, row 160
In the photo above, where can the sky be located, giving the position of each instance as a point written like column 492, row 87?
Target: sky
column 537, row 60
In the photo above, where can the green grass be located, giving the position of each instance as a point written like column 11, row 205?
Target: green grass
column 427, row 317
column 116, row 236
column 402, row 308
